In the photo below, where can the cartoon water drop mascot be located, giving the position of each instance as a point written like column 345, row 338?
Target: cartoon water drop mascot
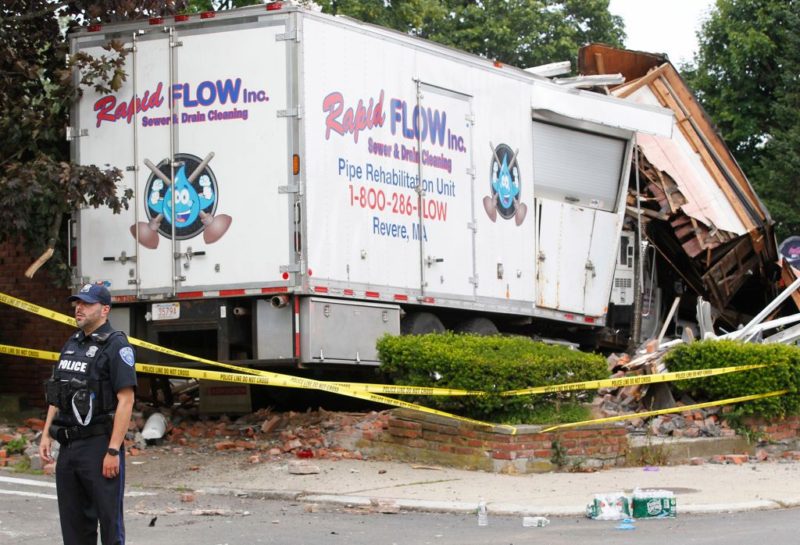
column 505, row 184
column 193, row 208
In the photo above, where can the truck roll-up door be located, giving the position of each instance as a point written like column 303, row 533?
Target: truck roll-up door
column 577, row 167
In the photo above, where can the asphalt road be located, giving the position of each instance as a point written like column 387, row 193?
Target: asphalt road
column 28, row 514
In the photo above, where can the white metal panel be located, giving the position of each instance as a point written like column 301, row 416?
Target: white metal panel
column 599, row 279
column 251, row 153
column 564, row 238
column 505, row 238
column 446, row 206
column 110, row 123
column 602, row 109
column 578, row 167
column 360, row 183
column 152, row 79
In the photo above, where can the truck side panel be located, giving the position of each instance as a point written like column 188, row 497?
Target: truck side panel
column 366, row 118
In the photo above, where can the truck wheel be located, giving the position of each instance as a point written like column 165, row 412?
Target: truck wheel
column 478, row 325
column 420, row 323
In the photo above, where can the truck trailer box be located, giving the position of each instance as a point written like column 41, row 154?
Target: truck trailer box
column 288, row 154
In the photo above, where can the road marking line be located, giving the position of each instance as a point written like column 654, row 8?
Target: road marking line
column 28, row 482
column 30, row 494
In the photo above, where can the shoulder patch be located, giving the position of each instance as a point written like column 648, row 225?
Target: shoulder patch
column 126, row 353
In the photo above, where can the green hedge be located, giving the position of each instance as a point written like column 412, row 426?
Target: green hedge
column 784, row 373
column 491, row 364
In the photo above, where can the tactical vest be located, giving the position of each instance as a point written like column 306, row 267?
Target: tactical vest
column 76, row 387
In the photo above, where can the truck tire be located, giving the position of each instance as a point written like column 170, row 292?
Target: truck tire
column 478, row 325
column 420, row 323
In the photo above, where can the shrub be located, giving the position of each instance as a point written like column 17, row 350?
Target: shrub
column 782, row 374
column 490, row 364
column 16, row 446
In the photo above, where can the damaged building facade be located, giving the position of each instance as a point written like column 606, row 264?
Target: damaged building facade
column 705, row 232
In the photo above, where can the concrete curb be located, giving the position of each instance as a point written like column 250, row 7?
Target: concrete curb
column 504, row 509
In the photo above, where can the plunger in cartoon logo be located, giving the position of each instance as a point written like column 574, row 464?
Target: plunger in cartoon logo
column 195, row 198
column 506, row 186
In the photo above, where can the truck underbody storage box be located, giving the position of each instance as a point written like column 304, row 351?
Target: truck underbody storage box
column 334, row 331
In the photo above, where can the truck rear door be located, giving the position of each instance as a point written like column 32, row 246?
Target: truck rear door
column 110, row 134
column 201, row 131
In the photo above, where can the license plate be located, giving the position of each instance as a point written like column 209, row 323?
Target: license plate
column 166, row 311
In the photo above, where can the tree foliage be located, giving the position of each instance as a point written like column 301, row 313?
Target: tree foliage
column 518, row 32
column 746, row 76
column 39, row 185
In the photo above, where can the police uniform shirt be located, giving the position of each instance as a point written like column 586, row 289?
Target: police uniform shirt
column 99, row 356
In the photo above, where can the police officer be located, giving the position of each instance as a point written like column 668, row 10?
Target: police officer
column 90, row 397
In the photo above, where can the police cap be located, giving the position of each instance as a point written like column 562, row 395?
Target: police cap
column 92, row 293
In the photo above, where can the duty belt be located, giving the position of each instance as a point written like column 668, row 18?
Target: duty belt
column 67, row 434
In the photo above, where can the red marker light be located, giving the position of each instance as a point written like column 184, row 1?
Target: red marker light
column 208, row 15
column 285, row 276
column 274, row 6
column 156, row 20
column 95, row 27
column 181, row 18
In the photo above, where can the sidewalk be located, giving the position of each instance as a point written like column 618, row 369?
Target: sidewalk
column 708, row 488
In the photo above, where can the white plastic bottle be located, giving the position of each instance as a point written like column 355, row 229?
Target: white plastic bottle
column 483, row 514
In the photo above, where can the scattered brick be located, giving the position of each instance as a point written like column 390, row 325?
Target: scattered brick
column 246, row 445
column 225, row 445
column 36, row 424
column 269, row 425
column 737, row 459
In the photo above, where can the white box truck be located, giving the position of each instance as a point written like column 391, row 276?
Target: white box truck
column 305, row 183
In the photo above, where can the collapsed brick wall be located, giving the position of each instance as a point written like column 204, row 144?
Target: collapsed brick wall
column 419, row 437
column 25, row 376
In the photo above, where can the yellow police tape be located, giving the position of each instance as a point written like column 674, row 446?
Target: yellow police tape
column 631, row 381
column 180, row 372
column 681, row 409
column 367, row 392
column 276, row 379
column 288, row 381
column 265, row 378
